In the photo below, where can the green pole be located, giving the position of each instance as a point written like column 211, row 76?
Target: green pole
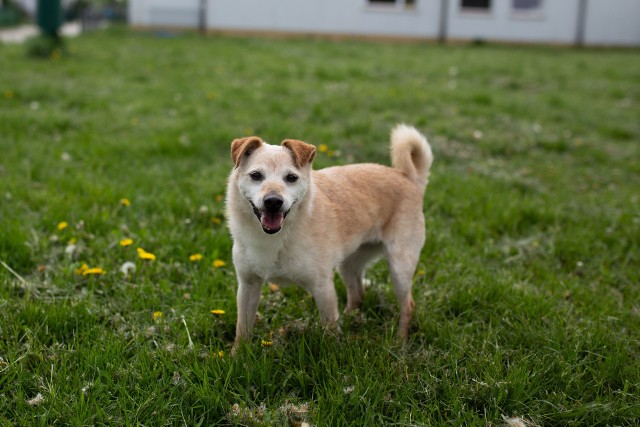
column 49, row 17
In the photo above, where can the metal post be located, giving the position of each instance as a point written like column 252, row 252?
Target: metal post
column 444, row 20
column 582, row 22
column 49, row 17
column 202, row 17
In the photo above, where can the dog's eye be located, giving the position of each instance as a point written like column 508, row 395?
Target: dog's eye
column 291, row 177
column 256, row 176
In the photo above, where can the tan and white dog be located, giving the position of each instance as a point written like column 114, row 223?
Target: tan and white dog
column 294, row 225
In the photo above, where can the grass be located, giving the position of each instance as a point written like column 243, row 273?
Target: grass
column 527, row 294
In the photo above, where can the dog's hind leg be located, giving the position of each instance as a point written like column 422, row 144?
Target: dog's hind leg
column 352, row 271
column 402, row 265
column 403, row 256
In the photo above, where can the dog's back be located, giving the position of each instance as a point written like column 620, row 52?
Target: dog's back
column 362, row 198
column 367, row 196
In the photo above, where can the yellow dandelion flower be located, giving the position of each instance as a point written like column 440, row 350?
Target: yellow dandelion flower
column 221, row 353
column 195, row 257
column 219, row 263
column 125, row 202
column 323, row 148
column 217, row 312
column 126, row 242
column 266, row 343
column 146, row 255
column 156, row 315
column 273, row 287
column 93, row 271
column 56, row 54
column 62, row 225
column 80, row 270
column 72, row 241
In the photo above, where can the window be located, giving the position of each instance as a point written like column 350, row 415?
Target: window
column 395, row 3
column 479, row 5
column 526, row 8
column 526, row 5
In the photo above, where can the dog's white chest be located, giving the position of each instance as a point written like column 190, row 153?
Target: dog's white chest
column 276, row 262
column 265, row 262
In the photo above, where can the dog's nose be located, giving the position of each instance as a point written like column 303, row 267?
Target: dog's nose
column 273, row 203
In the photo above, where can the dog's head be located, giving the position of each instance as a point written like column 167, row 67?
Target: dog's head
column 272, row 178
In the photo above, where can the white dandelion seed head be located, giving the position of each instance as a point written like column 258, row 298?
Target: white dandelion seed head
column 38, row 399
column 70, row 249
column 127, row 267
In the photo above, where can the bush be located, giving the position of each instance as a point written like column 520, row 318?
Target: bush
column 46, row 47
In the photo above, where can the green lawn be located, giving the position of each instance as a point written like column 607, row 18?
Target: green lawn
column 528, row 300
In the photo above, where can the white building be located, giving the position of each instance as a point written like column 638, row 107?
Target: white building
column 590, row 22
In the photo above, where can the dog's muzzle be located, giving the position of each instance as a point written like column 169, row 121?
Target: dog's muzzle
column 271, row 216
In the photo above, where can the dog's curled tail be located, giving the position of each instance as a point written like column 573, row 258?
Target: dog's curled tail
column 411, row 153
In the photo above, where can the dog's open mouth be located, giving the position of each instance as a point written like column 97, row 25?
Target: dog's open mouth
column 271, row 221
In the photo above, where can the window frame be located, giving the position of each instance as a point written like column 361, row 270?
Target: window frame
column 476, row 11
column 527, row 14
column 393, row 5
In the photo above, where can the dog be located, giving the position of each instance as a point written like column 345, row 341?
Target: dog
column 294, row 225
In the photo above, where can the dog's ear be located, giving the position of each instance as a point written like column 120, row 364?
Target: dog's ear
column 243, row 147
column 303, row 153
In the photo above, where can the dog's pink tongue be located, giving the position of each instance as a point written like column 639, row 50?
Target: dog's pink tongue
column 272, row 220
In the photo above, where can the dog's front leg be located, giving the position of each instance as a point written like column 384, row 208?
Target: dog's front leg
column 249, row 289
column 324, row 293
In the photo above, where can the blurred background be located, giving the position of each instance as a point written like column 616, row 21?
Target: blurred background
column 579, row 22
column 116, row 119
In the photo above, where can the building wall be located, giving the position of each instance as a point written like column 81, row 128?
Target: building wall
column 614, row 22
column 326, row 16
column 555, row 23
column 174, row 13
